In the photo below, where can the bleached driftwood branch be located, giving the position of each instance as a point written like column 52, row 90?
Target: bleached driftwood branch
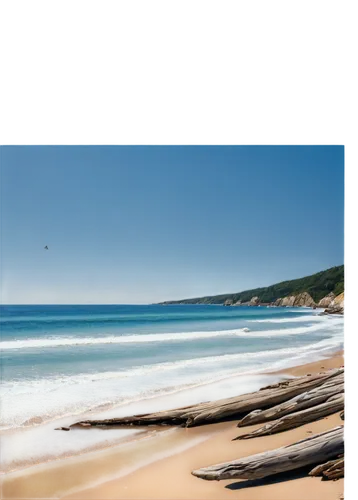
column 334, row 469
column 332, row 405
column 308, row 399
column 205, row 413
column 313, row 450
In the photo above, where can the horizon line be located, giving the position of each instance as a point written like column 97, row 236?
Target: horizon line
column 105, row 304
column 85, row 304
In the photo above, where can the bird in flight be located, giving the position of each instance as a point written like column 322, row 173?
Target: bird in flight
column 46, row 247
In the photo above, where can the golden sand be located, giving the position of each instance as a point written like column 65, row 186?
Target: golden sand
column 160, row 468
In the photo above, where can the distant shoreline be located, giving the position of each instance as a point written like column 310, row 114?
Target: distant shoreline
column 314, row 288
column 333, row 308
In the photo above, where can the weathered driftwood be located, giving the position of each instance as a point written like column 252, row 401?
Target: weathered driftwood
column 308, row 399
column 205, row 413
column 332, row 405
column 334, row 469
column 313, row 450
column 343, row 413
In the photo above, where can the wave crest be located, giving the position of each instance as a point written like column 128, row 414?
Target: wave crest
column 153, row 337
column 275, row 354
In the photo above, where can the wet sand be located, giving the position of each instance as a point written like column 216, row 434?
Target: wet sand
column 160, row 468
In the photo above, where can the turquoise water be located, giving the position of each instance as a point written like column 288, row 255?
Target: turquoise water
column 63, row 360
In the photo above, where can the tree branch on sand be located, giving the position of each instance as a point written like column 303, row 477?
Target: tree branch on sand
column 296, row 419
column 308, row 399
column 210, row 412
column 313, row 450
column 334, row 469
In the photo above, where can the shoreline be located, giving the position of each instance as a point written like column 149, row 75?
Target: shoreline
column 327, row 364
column 62, row 414
column 287, row 364
column 38, row 480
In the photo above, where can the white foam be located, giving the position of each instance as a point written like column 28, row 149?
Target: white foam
column 112, row 339
column 36, row 419
column 307, row 318
column 82, row 452
column 100, row 406
column 49, row 384
column 156, row 337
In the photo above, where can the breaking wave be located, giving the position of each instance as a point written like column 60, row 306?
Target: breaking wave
column 155, row 337
column 276, row 355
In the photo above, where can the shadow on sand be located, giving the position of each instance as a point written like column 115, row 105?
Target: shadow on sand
column 277, row 478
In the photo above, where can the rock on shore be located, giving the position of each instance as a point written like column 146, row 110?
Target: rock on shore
column 327, row 300
column 303, row 299
column 228, row 302
column 336, row 306
column 332, row 304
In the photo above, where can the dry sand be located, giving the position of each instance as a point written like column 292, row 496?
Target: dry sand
column 161, row 468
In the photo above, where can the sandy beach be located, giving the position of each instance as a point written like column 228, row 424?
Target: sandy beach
column 157, row 297
column 160, row 465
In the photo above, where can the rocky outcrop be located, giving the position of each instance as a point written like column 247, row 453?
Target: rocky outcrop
column 336, row 306
column 288, row 301
column 339, row 300
column 334, row 310
column 326, row 301
column 303, row 299
column 333, row 305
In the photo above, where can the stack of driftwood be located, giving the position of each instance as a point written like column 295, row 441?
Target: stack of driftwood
column 278, row 407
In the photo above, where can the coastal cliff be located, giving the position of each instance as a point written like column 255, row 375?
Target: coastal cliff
column 332, row 304
column 303, row 299
column 316, row 290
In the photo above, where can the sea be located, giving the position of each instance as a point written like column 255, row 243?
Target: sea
column 60, row 364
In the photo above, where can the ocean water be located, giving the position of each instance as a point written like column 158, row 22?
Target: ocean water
column 64, row 362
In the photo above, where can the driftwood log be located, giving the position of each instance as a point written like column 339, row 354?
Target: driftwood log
column 343, row 413
column 313, row 450
column 205, row 413
column 334, row 469
column 332, row 405
column 308, row 399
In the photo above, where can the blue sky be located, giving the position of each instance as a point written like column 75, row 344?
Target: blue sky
column 145, row 224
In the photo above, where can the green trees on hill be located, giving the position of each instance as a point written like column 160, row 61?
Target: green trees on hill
column 317, row 285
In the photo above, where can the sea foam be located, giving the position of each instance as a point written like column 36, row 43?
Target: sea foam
column 52, row 341
column 102, row 406
column 50, row 383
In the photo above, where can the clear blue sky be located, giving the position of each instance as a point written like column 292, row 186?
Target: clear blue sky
column 145, row 224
